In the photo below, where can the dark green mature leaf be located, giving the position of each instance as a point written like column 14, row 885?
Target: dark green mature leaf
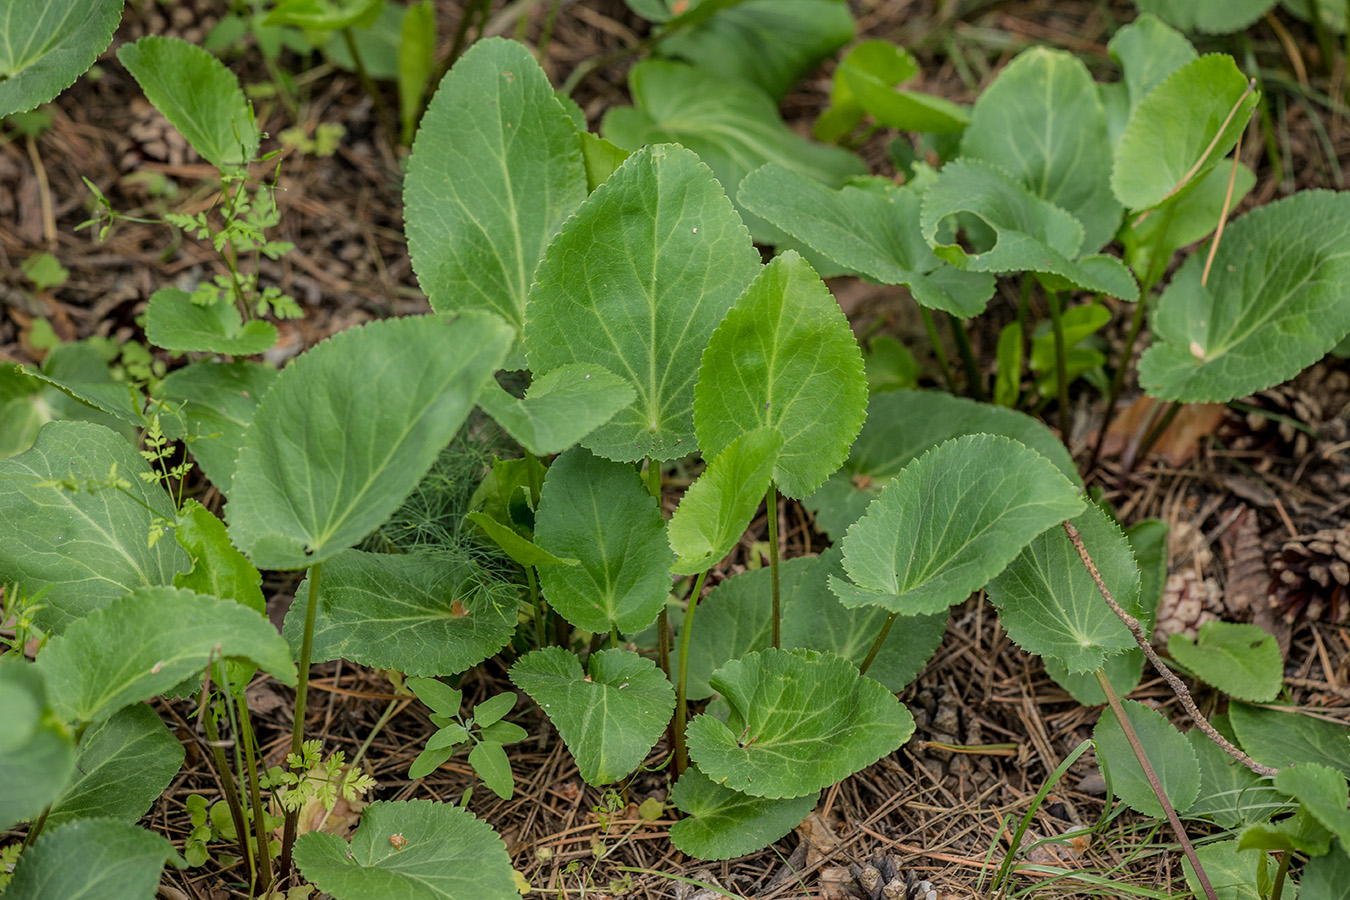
column 1208, row 16
column 198, row 95
column 86, row 547
column 49, row 46
column 1232, row 872
column 610, row 716
column 1231, row 795
column 101, row 398
column 723, row 823
column 217, row 568
column 446, row 854
column 1326, row 877
column 494, row 172
column 123, row 765
column 636, row 282
column 37, row 755
column 1324, row 794
column 1168, row 751
column 799, row 721
column 784, row 358
column 92, row 859
column 865, row 83
column 349, row 429
column 148, row 642
column 1280, row 739
column 212, row 403
column 174, row 322
column 1043, row 121
column 1272, row 306
column 600, row 513
column 867, row 227
column 949, row 522
column 422, row 613
column 902, row 425
column 1241, row 660
column 559, row 408
column 1028, row 234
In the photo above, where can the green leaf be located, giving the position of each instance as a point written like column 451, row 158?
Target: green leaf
column 516, row 544
column 610, row 716
column 599, row 513
column 1280, row 739
column 636, row 282
column 198, row 95
column 718, row 507
column 93, row 859
column 866, row 80
column 1147, row 51
column 723, row 823
column 212, row 403
column 1170, row 135
column 489, row 761
column 1333, row 17
column 123, row 765
column 1301, row 832
column 493, row 708
column 494, row 172
column 437, row 695
column 1168, row 751
column 324, row 15
column 51, row 45
column 1326, row 877
column 217, row 568
column 902, row 426
column 1323, row 793
column 799, row 721
column 37, row 755
column 601, row 158
column 1050, row 605
column 1025, row 233
column 86, row 547
column 949, row 522
column 1231, row 795
column 1124, row 670
column 448, row 855
column 1079, row 323
column 889, row 366
column 1271, row 308
column 148, row 642
column 1233, row 873
column 348, row 430
column 559, row 408
column 421, row 613
column 416, row 61
column 784, row 358
column 378, row 42
column 1208, row 16
column 1241, row 660
column 174, row 322
column 504, row 733
column 22, row 410
column 1186, row 219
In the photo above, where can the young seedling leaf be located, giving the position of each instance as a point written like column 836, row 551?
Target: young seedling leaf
column 174, row 322
column 37, row 754
column 784, row 358
column 559, row 408
column 1231, row 795
column 209, row 404
column 601, row 158
column 610, row 716
column 494, row 172
column 492, row 709
column 599, row 513
column 1272, row 305
column 324, row 15
column 636, row 282
column 1280, row 739
column 217, row 568
column 1208, row 16
column 198, row 95
column 1168, row 751
column 421, row 613
column 489, row 761
column 516, row 544
column 718, row 507
column 87, row 545
column 439, row 696
column 93, row 858
column 1323, row 793
column 444, row 853
column 49, row 46
column 950, row 521
column 1241, row 660
column 350, row 427
column 799, row 721
column 1233, row 873
column 723, row 823
column 867, row 79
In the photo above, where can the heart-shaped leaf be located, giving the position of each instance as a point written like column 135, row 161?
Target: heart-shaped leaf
column 559, row 408
column 799, row 721
column 1169, row 753
column 98, row 859
column 1280, row 738
column 174, row 322
column 37, row 754
column 610, row 716
column 209, row 404
column 52, row 45
column 723, row 823
column 1241, row 660
column 217, row 568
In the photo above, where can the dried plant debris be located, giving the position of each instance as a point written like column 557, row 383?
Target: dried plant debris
column 884, row 878
column 1310, row 575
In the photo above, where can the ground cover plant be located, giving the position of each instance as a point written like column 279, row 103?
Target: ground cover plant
column 481, row 485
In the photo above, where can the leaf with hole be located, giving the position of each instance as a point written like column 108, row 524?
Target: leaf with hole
column 174, row 322
column 559, row 408
column 722, row 823
column 98, row 859
column 1168, row 752
column 1241, row 660
column 50, row 45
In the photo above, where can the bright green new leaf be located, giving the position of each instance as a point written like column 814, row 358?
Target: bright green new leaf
column 784, row 358
column 378, row 43
column 494, row 172
column 324, row 15
column 209, row 404
column 867, row 227
column 866, row 80
column 889, row 365
column 1279, row 739
column 1240, row 660
column 1170, row 138
column 1019, row 231
column 1050, row 605
column 723, row 823
column 198, row 95
column 87, row 546
column 416, row 60
column 516, row 544
column 1231, row 795
column 217, row 568
column 610, row 716
column 348, row 430
column 1208, row 16
column 636, row 282
column 1323, row 793
column 489, row 761
column 1078, row 323
column 37, row 754
column 1147, row 51
column 1273, row 304
column 718, row 507
column 799, row 721
column 1185, row 220
column 148, row 642
column 559, row 408
column 601, row 158
column 49, row 45
column 446, row 854
column 421, row 613
column 93, row 859
column 122, row 766
column 492, row 709
column 1169, row 753
column 950, row 521
column 439, row 696
column 1233, row 873
column 599, row 513
column 174, row 322
column 1043, row 121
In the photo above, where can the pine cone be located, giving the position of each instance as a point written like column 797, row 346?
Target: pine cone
column 1317, row 399
column 1309, row 577
column 881, row 879
column 1188, row 601
column 191, row 20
